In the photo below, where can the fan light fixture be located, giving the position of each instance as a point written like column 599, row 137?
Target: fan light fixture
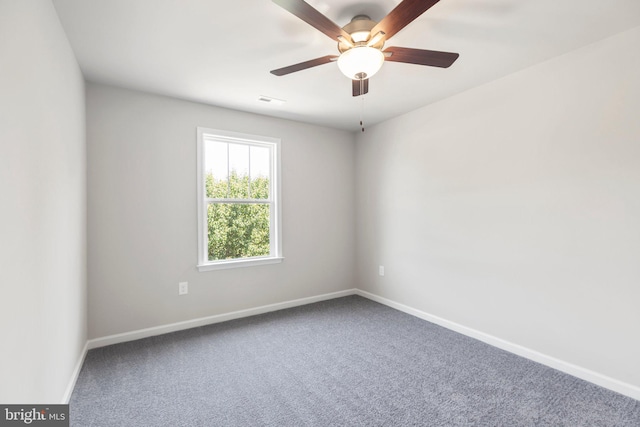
column 360, row 62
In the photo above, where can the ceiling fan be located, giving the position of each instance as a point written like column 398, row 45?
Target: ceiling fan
column 361, row 41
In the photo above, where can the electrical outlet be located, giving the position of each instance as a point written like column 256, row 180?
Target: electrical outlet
column 183, row 288
column 381, row 270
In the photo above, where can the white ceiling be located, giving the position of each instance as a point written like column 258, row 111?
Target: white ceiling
column 220, row 52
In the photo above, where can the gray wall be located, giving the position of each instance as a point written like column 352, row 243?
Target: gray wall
column 513, row 208
column 43, row 197
column 142, row 213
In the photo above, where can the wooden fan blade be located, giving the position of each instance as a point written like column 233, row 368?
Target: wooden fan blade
column 431, row 58
column 311, row 16
column 359, row 87
column 304, row 65
column 402, row 15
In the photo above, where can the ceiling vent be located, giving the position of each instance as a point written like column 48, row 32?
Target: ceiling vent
column 270, row 100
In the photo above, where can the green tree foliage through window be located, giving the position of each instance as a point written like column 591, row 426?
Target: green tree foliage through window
column 238, row 230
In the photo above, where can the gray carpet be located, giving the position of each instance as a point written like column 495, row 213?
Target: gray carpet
column 344, row 362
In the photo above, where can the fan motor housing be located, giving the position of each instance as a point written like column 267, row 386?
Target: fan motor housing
column 360, row 30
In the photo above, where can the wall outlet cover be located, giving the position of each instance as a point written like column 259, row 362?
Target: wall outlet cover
column 183, row 288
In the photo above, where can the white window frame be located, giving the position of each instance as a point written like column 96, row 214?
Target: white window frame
column 275, row 229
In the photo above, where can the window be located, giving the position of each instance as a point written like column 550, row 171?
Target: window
column 238, row 200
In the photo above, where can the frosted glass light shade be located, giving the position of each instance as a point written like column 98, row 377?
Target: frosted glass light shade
column 360, row 59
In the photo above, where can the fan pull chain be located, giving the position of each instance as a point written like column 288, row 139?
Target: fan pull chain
column 362, row 105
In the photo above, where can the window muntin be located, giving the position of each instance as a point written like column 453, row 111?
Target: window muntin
column 238, row 206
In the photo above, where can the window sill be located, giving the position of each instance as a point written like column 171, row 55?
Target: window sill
column 222, row 265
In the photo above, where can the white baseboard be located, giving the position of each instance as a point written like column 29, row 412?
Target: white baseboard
column 75, row 374
column 566, row 367
column 194, row 323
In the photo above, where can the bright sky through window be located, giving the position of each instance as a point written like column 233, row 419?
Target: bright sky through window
column 222, row 157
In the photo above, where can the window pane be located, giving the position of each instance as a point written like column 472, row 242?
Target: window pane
column 260, row 172
column 237, row 230
column 215, row 167
column 238, row 171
